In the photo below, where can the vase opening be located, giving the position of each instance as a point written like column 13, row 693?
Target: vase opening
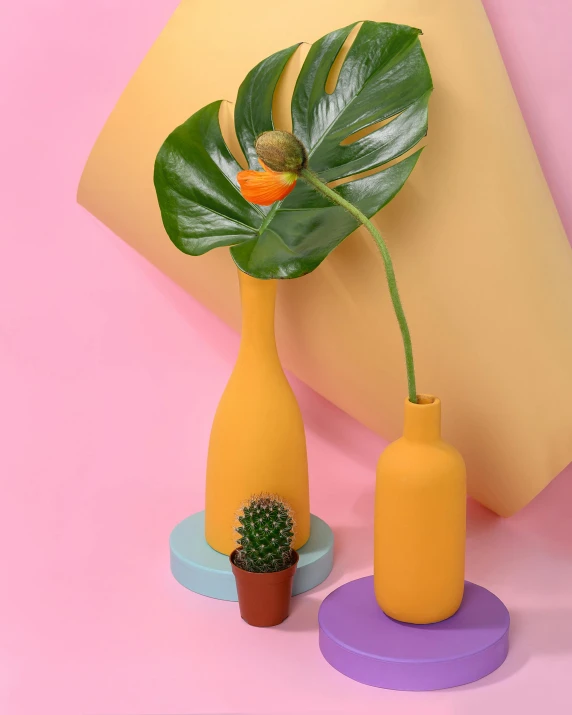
column 423, row 419
column 425, row 399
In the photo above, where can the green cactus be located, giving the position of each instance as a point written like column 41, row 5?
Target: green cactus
column 265, row 534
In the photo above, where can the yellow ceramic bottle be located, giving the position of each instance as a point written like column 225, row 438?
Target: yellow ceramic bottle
column 257, row 441
column 420, row 521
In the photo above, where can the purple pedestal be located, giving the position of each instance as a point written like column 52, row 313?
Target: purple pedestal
column 360, row 641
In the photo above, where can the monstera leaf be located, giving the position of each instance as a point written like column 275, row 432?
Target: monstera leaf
column 384, row 76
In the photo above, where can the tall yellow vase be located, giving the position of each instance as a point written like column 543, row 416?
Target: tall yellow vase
column 420, row 521
column 257, row 440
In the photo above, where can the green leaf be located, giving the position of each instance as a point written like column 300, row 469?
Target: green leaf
column 384, row 77
column 253, row 111
column 384, row 74
column 195, row 178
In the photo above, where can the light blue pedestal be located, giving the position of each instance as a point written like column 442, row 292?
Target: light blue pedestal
column 203, row 570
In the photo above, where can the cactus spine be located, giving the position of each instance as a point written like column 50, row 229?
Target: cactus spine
column 265, row 533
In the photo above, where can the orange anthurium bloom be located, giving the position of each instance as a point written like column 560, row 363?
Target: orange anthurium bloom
column 266, row 187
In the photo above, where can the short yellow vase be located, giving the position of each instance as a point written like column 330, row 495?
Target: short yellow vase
column 257, row 441
column 420, row 521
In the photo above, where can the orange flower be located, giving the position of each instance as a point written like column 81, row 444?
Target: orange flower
column 266, row 187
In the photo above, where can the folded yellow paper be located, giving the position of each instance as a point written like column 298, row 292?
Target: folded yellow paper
column 483, row 265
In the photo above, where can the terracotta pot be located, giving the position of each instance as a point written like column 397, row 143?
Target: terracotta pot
column 420, row 514
column 264, row 598
column 257, row 441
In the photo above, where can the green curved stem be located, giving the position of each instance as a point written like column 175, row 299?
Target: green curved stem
column 391, row 280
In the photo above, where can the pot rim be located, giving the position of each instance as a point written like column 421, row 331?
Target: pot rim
column 294, row 563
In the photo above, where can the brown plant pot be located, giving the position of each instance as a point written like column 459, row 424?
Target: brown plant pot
column 264, row 598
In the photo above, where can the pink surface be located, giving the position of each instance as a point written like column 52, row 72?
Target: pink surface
column 110, row 377
column 534, row 39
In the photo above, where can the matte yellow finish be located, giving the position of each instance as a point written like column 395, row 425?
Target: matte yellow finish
column 420, row 521
column 483, row 265
column 257, row 439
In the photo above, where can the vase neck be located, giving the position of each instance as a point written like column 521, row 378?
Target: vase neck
column 258, row 301
column 423, row 419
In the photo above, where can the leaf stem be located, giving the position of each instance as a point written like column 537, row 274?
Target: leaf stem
column 335, row 197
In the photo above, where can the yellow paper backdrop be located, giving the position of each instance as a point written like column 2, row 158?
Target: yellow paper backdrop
column 484, row 267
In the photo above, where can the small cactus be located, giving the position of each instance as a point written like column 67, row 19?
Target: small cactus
column 265, row 534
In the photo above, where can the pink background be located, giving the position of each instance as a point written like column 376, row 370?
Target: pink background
column 110, row 377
